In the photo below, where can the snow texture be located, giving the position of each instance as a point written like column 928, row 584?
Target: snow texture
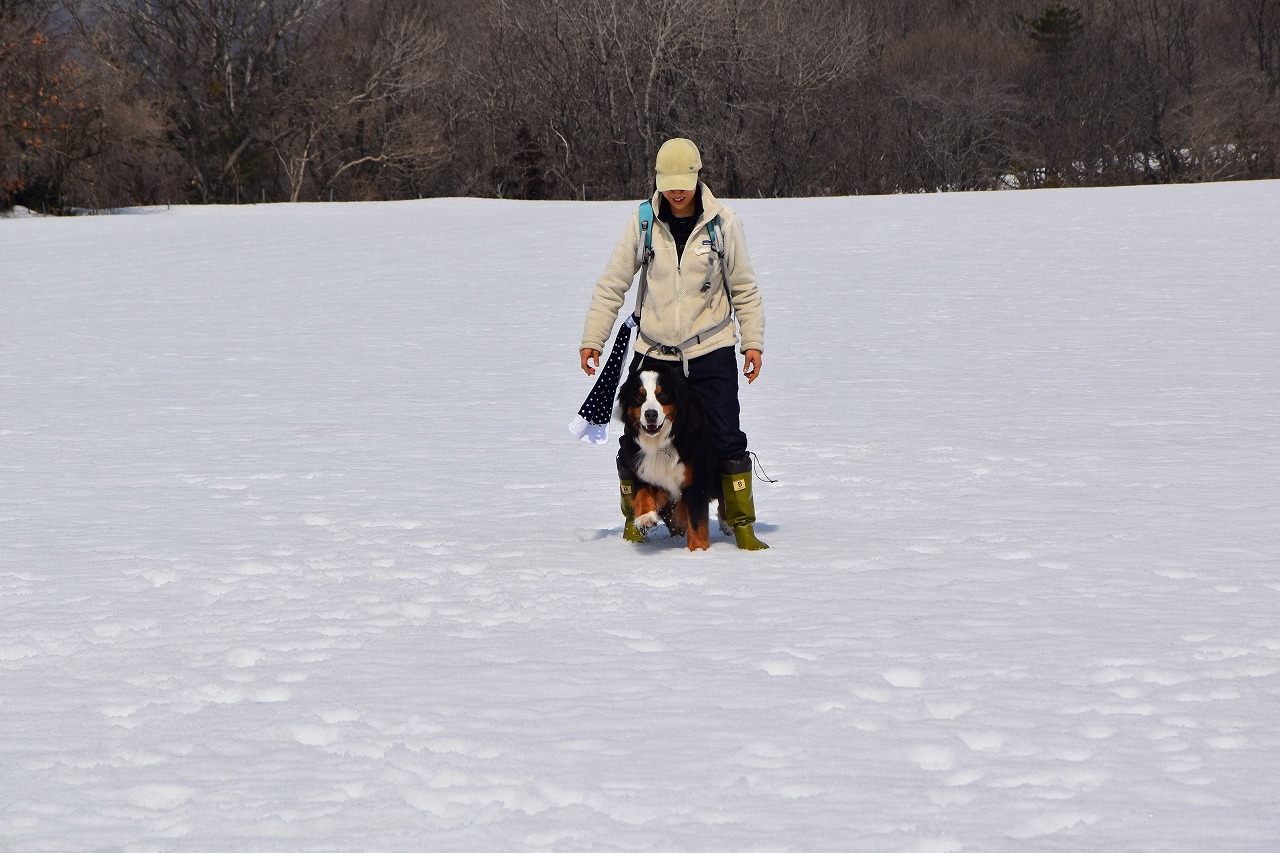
column 296, row 554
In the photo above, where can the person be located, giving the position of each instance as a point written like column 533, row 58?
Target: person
column 684, row 317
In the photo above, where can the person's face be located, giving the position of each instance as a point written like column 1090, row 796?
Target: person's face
column 681, row 201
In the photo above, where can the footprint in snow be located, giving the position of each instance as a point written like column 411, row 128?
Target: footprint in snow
column 903, row 677
column 933, row 757
column 779, row 667
column 157, row 797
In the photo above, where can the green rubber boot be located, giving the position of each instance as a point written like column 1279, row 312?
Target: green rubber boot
column 630, row 532
column 739, row 507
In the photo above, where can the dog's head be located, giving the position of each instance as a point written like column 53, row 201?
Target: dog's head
column 649, row 401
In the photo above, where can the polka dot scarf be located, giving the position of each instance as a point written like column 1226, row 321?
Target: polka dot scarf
column 592, row 422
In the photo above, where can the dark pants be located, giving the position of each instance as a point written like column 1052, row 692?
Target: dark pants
column 714, row 377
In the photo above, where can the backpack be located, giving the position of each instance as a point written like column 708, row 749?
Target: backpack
column 644, row 255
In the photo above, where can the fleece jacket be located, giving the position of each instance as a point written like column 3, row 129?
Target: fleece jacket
column 675, row 306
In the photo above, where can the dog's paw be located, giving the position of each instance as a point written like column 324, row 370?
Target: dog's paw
column 647, row 521
column 726, row 528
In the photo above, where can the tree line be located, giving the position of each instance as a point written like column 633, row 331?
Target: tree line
column 109, row 103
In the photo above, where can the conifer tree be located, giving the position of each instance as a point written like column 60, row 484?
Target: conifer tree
column 1056, row 28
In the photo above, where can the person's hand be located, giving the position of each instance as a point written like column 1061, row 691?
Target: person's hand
column 752, row 362
column 589, row 355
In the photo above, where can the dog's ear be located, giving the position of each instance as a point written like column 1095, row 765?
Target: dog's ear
column 627, row 392
column 678, row 392
column 623, row 400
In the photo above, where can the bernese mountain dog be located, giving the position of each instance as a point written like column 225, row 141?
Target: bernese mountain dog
column 668, row 447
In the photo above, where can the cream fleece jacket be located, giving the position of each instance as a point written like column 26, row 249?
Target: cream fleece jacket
column 674, row 307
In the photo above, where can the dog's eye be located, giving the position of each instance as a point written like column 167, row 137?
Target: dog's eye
column 663, row 397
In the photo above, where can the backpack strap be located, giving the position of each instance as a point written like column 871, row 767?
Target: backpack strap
column 717, row 245
column 644, row 254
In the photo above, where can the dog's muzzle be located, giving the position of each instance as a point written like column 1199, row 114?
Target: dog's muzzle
column 650, row 420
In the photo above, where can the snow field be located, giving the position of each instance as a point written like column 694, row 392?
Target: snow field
column 296, row 554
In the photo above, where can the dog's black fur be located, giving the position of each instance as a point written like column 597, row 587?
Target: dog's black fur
column 690, row 438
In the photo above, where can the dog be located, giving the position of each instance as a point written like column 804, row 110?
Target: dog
column 667, row 445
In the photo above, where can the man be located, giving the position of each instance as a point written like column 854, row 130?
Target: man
column 683, row 319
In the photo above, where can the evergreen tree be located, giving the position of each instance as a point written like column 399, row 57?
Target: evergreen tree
column 1056, row 28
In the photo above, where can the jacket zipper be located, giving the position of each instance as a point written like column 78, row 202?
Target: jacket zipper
column 680, row 266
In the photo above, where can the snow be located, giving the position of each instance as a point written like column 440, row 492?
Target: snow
column 296, row 553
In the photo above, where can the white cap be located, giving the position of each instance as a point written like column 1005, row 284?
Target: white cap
column 677, row 165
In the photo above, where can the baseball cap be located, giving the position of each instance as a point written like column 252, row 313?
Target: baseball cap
column 677, row 165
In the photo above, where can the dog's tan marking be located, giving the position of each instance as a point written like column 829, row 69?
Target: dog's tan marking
column 644, row 502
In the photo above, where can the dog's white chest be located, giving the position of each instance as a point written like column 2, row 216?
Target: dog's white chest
column 660, row 466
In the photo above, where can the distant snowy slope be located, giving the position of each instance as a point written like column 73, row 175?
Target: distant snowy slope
column 296, row 553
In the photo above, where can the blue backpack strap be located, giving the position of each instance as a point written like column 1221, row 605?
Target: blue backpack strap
column 644, row 254
column 716, row 235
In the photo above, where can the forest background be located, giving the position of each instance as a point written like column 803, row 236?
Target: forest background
column 111, row 103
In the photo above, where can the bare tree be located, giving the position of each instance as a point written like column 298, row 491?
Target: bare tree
column 244, row 100
column 1157, row 70
column 790, row 69
column 217, row 67
column 579, row 96
column 955, row 112
column 1260, row 23
column 571, row 89
column 356, row 102
column 50, row 119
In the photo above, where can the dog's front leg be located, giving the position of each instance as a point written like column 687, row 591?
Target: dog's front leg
column 645, row 502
